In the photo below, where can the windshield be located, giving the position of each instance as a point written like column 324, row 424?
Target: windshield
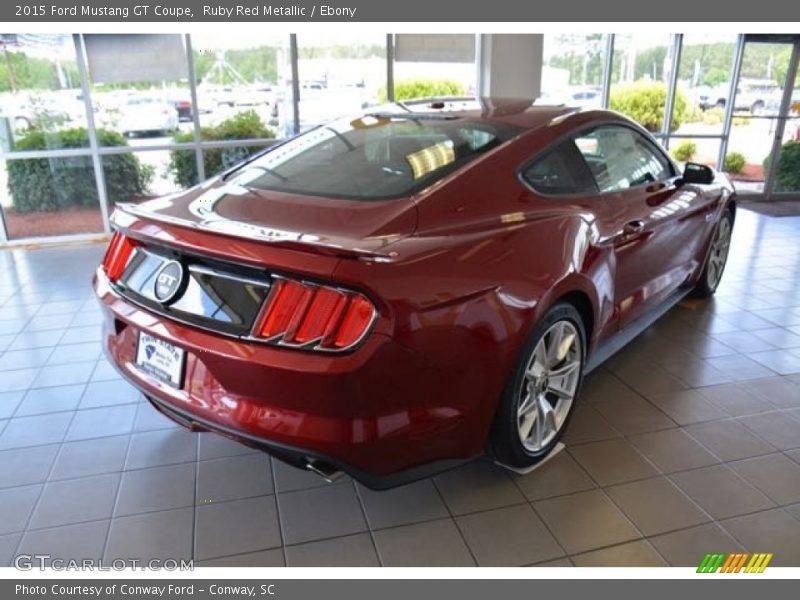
column 372, row 157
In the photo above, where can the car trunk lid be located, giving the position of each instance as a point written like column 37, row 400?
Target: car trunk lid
column 326, row 226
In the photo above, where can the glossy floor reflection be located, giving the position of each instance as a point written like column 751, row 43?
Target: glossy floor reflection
column 686, row 442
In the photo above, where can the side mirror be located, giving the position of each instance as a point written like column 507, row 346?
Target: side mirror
column 697, row 173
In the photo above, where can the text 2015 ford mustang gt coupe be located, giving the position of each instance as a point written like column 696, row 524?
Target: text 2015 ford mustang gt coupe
column 391, row 293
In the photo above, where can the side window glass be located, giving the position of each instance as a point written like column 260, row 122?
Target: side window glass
column 561, row 171
column 620, row 158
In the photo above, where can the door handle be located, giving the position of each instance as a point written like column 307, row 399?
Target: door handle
column 631, row 227
column 655, row 187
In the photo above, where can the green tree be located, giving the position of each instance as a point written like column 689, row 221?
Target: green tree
column 18, row 71
column 409, row 89
column 645, row 101
column 252, row 64
column 581, row 56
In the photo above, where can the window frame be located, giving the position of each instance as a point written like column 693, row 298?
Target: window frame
column 580, row 131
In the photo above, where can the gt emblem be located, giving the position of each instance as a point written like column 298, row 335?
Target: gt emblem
column 168, row 281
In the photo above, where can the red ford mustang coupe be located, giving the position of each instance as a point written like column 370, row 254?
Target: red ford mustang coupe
column 391, row 294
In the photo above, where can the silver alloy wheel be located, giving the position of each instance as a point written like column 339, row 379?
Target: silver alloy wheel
column 549, row 386
column 719, row 253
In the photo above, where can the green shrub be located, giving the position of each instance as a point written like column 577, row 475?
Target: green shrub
column 787, row 177
column 644, row 102
column 694, row 114
column 684, row 151
column 711, row 116
column 409, row 89
column 242, row 126
column 50, row 184
column 734, row 162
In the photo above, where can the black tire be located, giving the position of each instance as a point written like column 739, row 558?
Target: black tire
column 504, row 443
column 707, row 285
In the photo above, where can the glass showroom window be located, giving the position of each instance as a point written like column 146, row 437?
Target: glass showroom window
column 787, row 175
column 49, row 196
column 757, row 118
column 434, row 65
column 640, row 79
column 40, row 92
column 52, row 191
column 699, row 150
column 573, row 68
column 339, row 75
column 140, row 88
column 244, row 91
column 704, row 79
column 141, row 99
column 139, row 176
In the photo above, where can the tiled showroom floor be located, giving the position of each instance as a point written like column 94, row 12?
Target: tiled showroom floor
column 686, row 442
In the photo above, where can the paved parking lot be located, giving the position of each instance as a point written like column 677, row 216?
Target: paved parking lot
column 686, row 442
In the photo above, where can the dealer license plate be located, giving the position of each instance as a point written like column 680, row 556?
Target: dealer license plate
column 160, row 359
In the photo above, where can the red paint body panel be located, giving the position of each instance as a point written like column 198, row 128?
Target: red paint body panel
column 459, row 275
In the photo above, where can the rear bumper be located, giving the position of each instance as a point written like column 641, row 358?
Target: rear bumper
column 375, row 413
column 303, row 458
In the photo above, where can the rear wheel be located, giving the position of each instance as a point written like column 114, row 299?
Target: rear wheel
column 540, row 394
column 717, row 257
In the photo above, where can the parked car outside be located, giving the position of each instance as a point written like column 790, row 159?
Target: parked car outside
column 181, row 101
column 752, row 95
column 140, row 114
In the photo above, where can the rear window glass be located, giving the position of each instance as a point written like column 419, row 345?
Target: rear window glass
column 372, row 157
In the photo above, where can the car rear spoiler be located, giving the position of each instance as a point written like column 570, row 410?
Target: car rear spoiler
column 127, row 216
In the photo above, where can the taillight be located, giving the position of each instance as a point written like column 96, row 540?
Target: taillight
column 318, row 316
column 117, row 255
column 356, row 320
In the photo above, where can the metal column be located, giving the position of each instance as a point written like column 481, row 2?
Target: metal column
column 608, row 64
column 390, row 67
column 198, row 152
column 736, row 72
column 97, row 162
column 675, row 61
column 294, row 58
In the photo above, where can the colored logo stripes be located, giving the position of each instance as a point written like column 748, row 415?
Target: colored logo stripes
column 735, row 563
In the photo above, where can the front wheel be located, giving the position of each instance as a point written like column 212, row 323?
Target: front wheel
column 540, row 394
column 717, row 257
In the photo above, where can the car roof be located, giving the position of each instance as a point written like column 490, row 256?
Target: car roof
column 522, row 113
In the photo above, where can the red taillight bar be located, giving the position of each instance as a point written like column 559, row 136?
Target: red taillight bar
column 119, row 252
column 319, row 316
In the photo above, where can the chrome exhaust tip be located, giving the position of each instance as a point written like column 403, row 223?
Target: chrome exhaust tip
column 328, row 472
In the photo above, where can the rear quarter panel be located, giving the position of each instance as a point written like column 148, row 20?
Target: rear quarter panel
column 489, row 258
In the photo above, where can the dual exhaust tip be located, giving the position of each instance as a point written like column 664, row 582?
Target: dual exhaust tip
column 319, row 467
column 327, row 471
